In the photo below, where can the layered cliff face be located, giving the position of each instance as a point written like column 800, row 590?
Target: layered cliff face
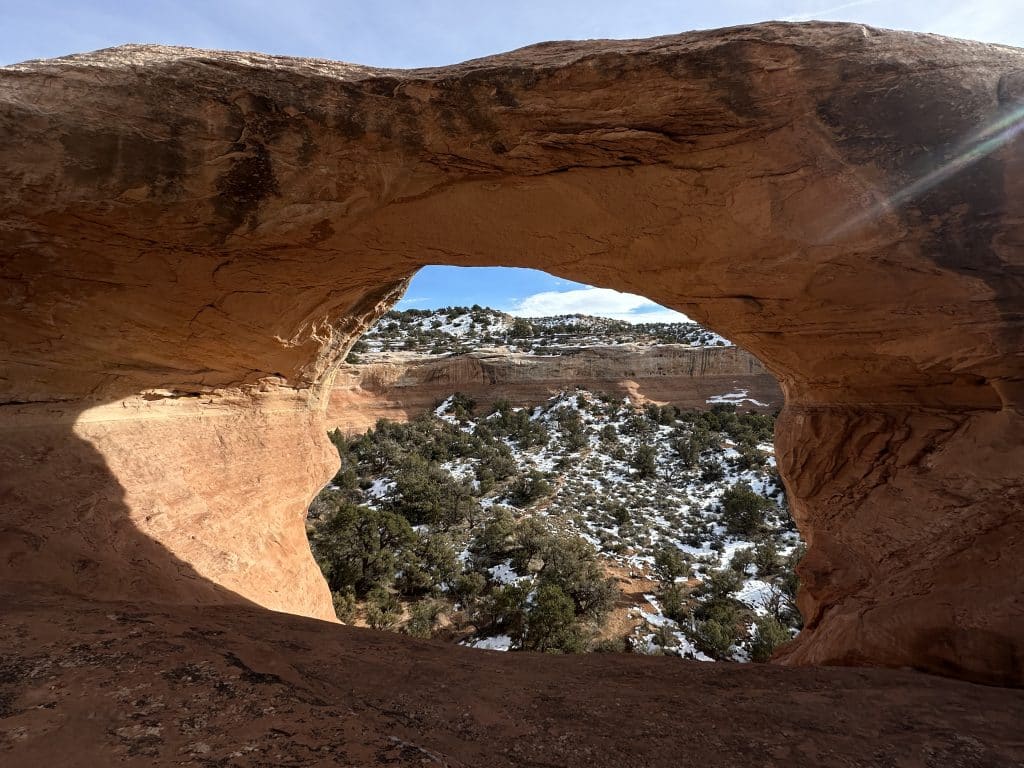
column 190, row 241
column 404, row 386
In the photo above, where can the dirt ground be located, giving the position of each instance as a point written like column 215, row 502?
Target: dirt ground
column 632, row 584
column 94, row 684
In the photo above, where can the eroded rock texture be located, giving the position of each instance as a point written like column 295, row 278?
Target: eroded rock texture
column 405, row 386
column 190, row 240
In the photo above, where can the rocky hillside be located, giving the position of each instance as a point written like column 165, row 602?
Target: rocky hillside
column 409, row 361
column 585, row 523
column 457, row 330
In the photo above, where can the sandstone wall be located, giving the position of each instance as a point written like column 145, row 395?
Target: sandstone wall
column 405, row 386
column 190, row 240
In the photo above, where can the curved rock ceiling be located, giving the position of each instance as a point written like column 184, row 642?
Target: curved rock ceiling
column 189, row 241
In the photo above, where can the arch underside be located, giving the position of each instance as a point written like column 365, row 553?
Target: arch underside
column 191, row 240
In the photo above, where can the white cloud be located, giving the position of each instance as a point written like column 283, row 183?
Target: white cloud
column 602, row 302
column 823, row 12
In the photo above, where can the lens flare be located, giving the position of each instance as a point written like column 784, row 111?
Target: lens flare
column 975, row 147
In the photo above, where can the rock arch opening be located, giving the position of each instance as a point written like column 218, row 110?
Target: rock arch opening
column 203, row 221
column 592, row 472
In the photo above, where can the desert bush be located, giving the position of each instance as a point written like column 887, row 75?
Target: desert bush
column 609, row 645
column 714, row 637
column 427, row 564
column 744, row 510
column 645, row 461
column 749, row 457
column 741, row 560
column 711, row 471
column 571, row 564
column 427, row 494
column 354, row 354
column 462, row 406
column 383, row 611
column 619, row 513
column 528, row 488
column 503, row 611
column 572, row 428
column 344, row 605
column 670, row 564
column 521, row 329
column 665, row 637
column 495, row 540
column 551, row 623
column 769, row 634
column 358, row 548
column 468, row 586
column 422, row 618
column 720, row 584
column 766, row 558
column 673, row 599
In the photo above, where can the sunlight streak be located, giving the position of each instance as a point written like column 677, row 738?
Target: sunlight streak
column 977, row 146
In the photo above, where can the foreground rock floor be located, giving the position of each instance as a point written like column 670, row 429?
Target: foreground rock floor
column 91, row 684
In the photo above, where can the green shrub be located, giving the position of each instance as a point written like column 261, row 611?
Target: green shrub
column 571, row 564
column 521, row 329
column 741, row 559
column 429, row 563
column 495, row 540
column 670, row 564
column 609, row 645
column 383, row 611
column 712, row 471
column 766, row 557
column 572, row 428
column 427, row 494
column 344, row 605
column 358, row 548
column 720, row 584
column 422, row 618
column 503, row 611
column 551, row 623
column 673, row 599
column 744, row 510
column 665, row 637
column 769, row 634
column 468, row 586
column 620, row 513
column 528, row 488
column 645, row 461
column 714, row 637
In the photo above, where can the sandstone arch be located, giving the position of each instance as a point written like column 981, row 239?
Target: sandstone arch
column 191, row 239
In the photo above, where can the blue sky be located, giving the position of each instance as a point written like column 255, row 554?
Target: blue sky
column 417, row 33
column 527, row 292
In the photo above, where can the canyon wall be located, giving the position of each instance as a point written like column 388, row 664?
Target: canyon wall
column 405, row 386
column 191, row 240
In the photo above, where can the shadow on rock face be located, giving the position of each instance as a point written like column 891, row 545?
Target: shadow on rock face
column 66, row 523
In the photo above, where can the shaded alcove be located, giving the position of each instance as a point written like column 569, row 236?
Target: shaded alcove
column 204, row 227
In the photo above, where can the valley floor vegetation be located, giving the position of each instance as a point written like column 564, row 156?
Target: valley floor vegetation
column 510, row 529
column 457, row 330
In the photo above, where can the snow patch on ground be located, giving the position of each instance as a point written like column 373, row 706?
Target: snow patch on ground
column 738, row 397
column 495, row 643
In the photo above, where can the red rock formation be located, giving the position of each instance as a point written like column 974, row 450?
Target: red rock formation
column 189, row 241
column 404, row 386
column 88, row 684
